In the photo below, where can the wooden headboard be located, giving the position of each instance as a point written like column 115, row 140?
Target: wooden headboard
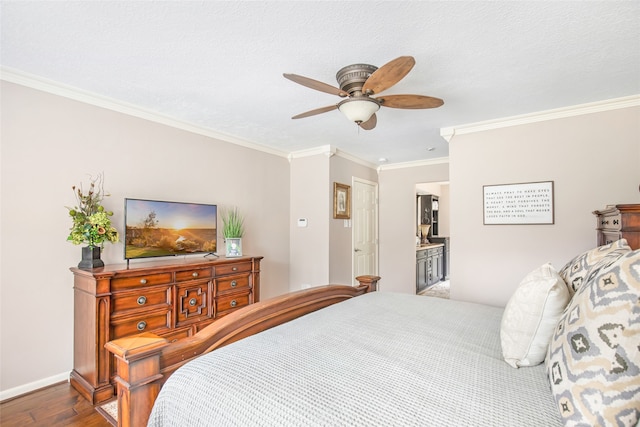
column 145, row 361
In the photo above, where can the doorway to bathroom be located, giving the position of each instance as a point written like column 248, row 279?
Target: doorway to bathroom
column 433, row 244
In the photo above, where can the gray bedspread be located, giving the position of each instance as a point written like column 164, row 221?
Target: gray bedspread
column 381, row 359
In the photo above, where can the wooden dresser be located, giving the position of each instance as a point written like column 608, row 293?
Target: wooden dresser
column 618, row 222
column 174, row 299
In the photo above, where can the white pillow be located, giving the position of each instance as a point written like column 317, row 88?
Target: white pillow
column 531, row 315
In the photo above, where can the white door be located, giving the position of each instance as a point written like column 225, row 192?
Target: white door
column 365, row 228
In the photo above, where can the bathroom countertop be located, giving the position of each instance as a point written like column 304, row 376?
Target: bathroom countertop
column 429, row 245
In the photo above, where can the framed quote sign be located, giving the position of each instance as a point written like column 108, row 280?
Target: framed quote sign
column 528, row 203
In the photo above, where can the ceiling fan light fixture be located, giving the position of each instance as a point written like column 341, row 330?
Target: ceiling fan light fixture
column 358, row 110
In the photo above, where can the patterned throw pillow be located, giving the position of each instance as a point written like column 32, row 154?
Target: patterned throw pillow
column 575, row 271
column 531, row 315
column 593, row 361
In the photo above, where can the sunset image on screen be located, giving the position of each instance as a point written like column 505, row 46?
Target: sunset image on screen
column 158, row 228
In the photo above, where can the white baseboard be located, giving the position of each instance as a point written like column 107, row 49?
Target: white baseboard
column 27, row 388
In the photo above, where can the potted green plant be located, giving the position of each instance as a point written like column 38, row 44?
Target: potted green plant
column 91, row 223
column 232, row 229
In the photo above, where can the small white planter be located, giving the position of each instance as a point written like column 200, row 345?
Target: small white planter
column 233, row 246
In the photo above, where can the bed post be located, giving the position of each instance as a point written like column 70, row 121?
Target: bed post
column 137, row 368
column 370, row 281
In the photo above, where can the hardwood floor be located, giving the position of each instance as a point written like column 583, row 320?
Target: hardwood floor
column 57, row 405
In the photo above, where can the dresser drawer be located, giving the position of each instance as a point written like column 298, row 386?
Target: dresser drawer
column 192, row 302
column 610, row 237
column 231, row 302
column 610, row 222
column 232, row 283
column 140, row 299
column 202, row 273
column 235, row 268
column 149, row 322
column 124, row 283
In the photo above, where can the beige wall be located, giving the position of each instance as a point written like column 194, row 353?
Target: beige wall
column 445, row 211
column 50, row 143
column 309, row 246
column 321, row 252
column 397, row 193
column 593, row 159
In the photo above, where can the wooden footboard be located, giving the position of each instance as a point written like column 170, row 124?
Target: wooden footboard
column 145, row 361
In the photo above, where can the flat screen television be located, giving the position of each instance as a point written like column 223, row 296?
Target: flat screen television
column 155, row 228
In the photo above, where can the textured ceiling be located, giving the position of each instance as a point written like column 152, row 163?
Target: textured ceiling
column 219, row 64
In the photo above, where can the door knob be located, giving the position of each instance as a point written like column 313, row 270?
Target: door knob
column 357, row 250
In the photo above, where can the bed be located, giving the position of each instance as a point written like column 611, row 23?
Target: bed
column 341, row 356
column 379, row 359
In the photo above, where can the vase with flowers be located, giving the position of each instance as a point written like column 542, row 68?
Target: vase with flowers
column 91, row 223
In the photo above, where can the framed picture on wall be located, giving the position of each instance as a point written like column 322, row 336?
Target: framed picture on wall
column 527, row 203
column 341, row 201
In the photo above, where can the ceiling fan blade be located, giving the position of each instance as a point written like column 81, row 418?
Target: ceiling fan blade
column 410, row 101
column 316, row 111
column 369, row 124
column 314, row 84
column 388, row 75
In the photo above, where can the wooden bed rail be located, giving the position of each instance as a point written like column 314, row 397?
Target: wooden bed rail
column 145, row 361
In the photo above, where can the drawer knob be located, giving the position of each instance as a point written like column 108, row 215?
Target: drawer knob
column 234, row 283
column 143, row 281
column 192, row 302
column 141, row 325
column 234, row 268
column 234, row 303
column 195, row 274
column 142, row 300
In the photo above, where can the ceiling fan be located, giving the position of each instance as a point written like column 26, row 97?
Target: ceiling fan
column 358, row 83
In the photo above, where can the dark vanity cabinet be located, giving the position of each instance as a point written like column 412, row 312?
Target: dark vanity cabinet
column 421, row 270
column 446, row 259
column 429, row 266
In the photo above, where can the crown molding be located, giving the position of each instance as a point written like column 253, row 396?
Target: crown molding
column 414, row 164
column 329, row 151
column 355, row 159
column 558, row 113
column 56, row 88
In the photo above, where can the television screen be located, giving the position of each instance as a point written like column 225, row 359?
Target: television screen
column 158, row 228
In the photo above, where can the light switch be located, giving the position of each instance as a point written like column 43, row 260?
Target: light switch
column 302, row 222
